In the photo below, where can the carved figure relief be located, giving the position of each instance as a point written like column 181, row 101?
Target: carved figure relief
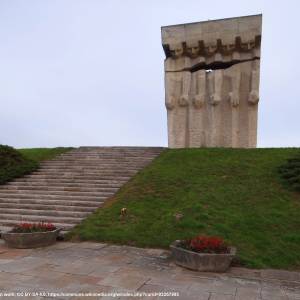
column 216, row 97
column 212, row 82
column 254, row 96
column 200, row 89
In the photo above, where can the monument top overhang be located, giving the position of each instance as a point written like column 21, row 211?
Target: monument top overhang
column 241, row 33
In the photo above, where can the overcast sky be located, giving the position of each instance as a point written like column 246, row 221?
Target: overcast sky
column 90, row 72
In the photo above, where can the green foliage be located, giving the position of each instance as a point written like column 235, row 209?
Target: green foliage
column 290, row 172
column 232, row 193
column 17, row 163
column 14, row 164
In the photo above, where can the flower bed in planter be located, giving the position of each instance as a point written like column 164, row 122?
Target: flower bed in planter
column 30, row 235
column 202, row 253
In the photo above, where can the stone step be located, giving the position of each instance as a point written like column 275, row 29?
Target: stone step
column 55, row 181
column 93, row 167
column 95, row 162
column 90, row 148
column 88, row 172
column 116, row 149
column 32, row 218
column 54, row 197
column 68, row 182
column 113, row 152
column 100, row 160
column 104, row 192
column 62, row 188
column 119, row 156
column 47, row 206
column 49, row 213
column 77, row 177
column 94, row 174
column 103, row 159
column 81, row 203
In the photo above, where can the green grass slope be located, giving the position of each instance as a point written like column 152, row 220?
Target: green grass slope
column 17, row 163
column 233, row 193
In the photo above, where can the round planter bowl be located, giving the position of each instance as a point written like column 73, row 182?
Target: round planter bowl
column 208, row 262
column 30, row 240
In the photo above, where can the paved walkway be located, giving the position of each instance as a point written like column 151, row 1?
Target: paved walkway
column 100, row 268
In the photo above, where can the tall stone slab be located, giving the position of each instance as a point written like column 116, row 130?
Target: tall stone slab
column 212, row 82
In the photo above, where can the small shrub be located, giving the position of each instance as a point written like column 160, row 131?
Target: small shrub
column 33, row 227
column 290, row 172
column 13, row 164
column 206, row 244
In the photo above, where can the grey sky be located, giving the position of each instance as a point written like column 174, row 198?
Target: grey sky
column 84, row 72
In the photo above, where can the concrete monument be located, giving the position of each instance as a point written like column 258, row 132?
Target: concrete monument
column 212, row 82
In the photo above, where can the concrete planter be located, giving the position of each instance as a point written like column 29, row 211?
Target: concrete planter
column 30, row 240
column 208, row 262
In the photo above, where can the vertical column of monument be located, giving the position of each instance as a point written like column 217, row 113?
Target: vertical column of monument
column 196, row 111
column 171, row 82
column 215, row 79
column 197, row 94
column 194, row 139
column 253, row 101
column 234, row 96
column 177, row 105
column 183, row 110
column 243, row 107
column 224, row 121
column 177, row 86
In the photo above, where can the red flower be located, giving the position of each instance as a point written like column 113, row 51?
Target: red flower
column 208, row 244
column 33, row 227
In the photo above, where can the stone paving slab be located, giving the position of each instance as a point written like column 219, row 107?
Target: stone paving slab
column 96, row 267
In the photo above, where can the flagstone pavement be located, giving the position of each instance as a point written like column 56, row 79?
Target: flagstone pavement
column 77, row 270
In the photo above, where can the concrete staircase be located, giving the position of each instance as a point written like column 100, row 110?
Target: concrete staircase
column 67, row 189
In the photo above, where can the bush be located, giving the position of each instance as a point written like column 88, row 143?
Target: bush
column 13, row 164
column 290, row 172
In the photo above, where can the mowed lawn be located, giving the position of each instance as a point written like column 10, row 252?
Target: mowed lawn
column 233, row 193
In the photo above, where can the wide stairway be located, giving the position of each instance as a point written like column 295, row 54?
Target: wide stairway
column 67, row 189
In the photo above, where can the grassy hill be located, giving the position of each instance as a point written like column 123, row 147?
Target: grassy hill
column 233, row 193
column 16, row 163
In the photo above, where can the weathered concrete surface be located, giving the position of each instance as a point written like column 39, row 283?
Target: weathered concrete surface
column 212, row 82
column 94, row 267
